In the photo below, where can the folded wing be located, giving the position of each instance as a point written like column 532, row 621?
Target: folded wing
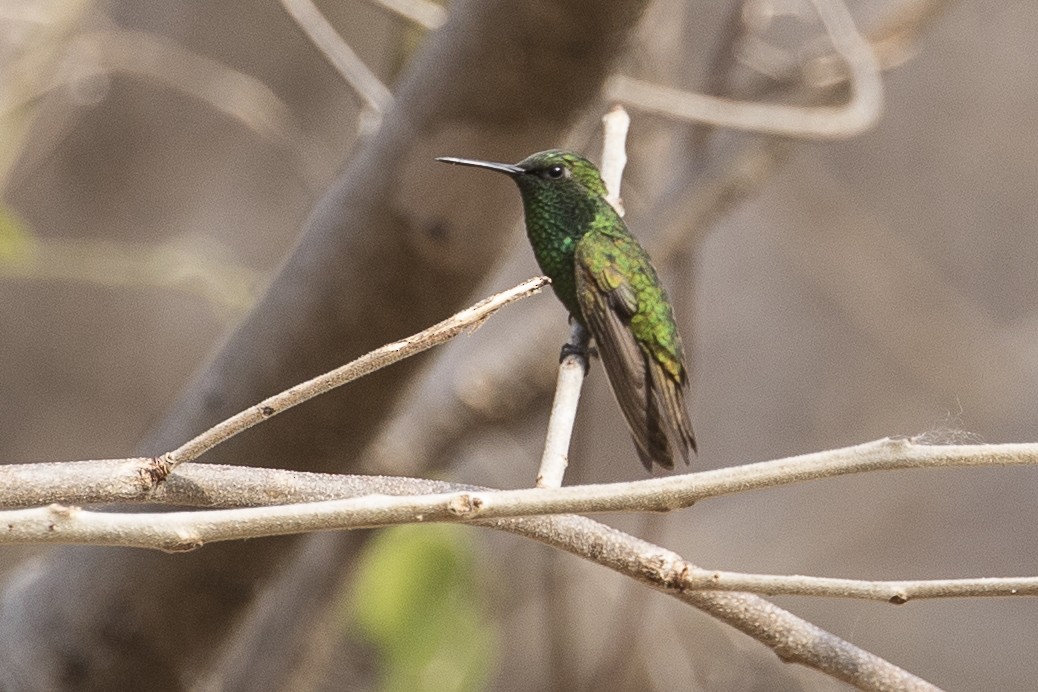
column 646, row 374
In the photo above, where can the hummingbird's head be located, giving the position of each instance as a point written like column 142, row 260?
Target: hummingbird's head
column 553, row 171
column 558, row 167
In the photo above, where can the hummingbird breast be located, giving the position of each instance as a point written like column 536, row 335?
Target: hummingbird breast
column 555, row 225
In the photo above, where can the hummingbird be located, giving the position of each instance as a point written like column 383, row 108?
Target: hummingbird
column 606, row 280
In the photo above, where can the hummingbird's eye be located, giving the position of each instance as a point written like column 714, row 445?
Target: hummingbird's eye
column 555, row 172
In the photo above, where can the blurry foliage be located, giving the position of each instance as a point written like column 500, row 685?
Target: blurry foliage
column 189, row 265
column 417, row 599
column 15, row 240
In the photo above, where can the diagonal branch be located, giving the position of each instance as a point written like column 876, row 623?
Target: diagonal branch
column 468, row 319
column 323, row 35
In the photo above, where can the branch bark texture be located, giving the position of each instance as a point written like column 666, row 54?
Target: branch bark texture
column 792, row 638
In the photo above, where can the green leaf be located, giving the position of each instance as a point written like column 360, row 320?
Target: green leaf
column 15, row 240
column 417, row 600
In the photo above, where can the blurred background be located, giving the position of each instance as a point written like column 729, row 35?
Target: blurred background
column 158, row 161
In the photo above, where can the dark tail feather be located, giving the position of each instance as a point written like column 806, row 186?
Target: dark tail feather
column 669, row 427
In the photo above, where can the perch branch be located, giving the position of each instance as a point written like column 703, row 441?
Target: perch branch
column 368, row 502
column 573, row 366
column 793, row 639
column 127, row 480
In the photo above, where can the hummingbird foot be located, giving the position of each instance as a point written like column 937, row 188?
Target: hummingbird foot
column 580, row 352
column 578, row 345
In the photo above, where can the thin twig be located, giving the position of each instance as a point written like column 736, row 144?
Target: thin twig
column 896, row 592
column 615, row 125
column 815, row 122
column 236, row 94
column 327, row 40
column 468, row 319
column 573, row 366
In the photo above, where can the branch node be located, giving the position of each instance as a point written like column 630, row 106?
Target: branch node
column 154, row 470
column 899, row 443
column 465, row 505
column 666, row 572
column 185, row 542
column 61, row 514
column 61, row 511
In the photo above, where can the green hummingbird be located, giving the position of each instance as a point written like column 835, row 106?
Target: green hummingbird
column 607, row 282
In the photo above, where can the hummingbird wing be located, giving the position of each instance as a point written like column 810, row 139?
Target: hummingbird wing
column 642, row 355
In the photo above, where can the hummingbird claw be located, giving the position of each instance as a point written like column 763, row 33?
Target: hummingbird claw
column 581, row 352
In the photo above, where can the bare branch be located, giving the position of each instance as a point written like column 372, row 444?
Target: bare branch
column 615, row 125
column 238, row 95
column 468, row 319
column 124, row 480
column 365, row 502
column 574, row 364
column 572, row 369
column 859, row 114
column 674, row 492
column 793, row 639
column 896, row 592
column 326, row 39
